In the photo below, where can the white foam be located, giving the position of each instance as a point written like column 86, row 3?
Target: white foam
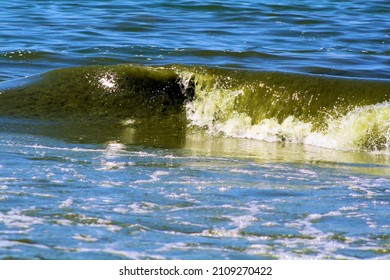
column 120, row 210
column 16, row 218
column 348, row 131
column 113, row 165
column 155, row 177
column 366, row 127
column 66, row 203
column 36, row 146
column 243, row 171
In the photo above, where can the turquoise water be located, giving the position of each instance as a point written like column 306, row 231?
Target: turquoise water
column 243, row 130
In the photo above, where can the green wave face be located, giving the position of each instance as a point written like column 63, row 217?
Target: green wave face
column 335, row 113
column 97, row 92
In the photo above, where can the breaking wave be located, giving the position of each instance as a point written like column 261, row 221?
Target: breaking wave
column 336, row 113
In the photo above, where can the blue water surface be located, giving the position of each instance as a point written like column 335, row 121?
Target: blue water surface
column 115, row 201
column 347, row 38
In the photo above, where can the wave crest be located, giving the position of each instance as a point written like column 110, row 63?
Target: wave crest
column 337, row 113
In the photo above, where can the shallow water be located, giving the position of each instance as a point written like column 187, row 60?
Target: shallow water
column 213, row 198
column 207, row 181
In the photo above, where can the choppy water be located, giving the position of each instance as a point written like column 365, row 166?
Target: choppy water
column 326, row 37
column 189, row 161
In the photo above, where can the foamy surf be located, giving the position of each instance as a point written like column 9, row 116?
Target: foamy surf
column 224, row 108
column 363, row 128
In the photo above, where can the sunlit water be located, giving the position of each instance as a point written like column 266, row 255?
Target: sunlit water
column 69, row 193
column 349, row 38
column 213, row 199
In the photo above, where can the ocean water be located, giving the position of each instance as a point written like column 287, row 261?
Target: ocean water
column 194, row 129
